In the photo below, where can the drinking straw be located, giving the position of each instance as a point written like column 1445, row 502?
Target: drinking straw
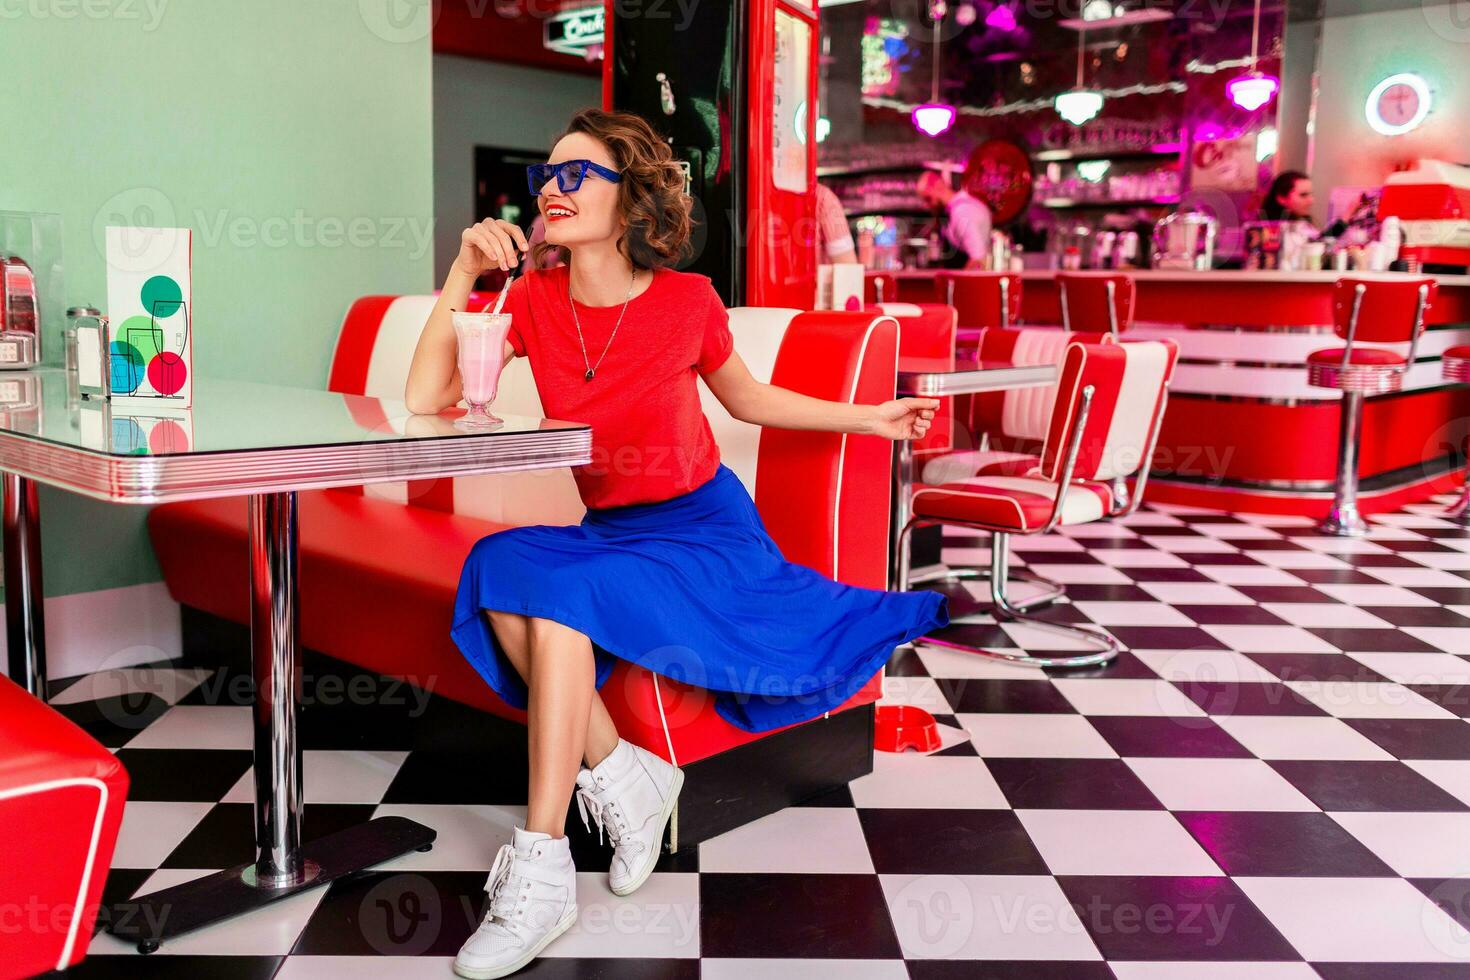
column 504, row 290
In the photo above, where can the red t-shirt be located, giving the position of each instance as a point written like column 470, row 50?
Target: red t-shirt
column 650, row 439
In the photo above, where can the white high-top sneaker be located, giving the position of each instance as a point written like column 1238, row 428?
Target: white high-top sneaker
column 533, row 899
column 630, row 794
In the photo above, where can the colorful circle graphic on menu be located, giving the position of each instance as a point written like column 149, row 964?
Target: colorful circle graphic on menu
column 162, row 296
column 140, row 333
column 166, row 373
column 126, row 368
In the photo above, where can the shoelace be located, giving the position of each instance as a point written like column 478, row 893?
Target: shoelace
column 588, row 803
column 503, row 904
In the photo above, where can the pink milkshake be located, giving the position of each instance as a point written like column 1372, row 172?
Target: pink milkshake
column 481, row 355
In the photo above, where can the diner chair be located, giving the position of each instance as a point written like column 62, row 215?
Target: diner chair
column 1007, row 429
column 1365, row 311
column 1102, row 425
column 61, row 807
column 1455, row 368
column 1096, row 302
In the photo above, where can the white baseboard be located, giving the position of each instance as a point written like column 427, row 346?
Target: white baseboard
column 91, row 631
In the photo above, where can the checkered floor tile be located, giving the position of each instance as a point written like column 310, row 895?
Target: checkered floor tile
column 1273, row 781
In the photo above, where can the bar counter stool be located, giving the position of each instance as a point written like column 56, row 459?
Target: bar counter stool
column 982, row 299
column 1455, row 368
column 1103, row 424
column 1378, row 311
column 1096, row 302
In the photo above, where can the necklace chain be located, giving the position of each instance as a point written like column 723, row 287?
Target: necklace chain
column 592, row 368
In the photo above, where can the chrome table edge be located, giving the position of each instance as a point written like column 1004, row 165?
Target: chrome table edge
column 937, row 384
column 197, row 476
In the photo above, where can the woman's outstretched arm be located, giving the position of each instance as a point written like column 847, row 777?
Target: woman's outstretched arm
column 433, row 378
column 764, row 404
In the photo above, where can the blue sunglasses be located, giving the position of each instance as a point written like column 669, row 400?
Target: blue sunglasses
column 569, row 175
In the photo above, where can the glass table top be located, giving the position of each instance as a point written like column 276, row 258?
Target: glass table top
column 245, row 438
column 228, row 416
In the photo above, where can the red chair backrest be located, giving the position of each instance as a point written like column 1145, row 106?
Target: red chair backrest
column 1390, row 311
column 1086, row 299
column 1128, row 384
column 1021, row 414
column 982, row 299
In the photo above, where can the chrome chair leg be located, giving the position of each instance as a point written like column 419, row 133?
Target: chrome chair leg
column 1343, row 520
column 1121, row 498
column 1050, row 590
column 1005, row 610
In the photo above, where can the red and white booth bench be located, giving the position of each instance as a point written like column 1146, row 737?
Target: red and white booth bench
column 61, row 804
column 379, row 564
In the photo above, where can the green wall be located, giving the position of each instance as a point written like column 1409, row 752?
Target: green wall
column 293, row 136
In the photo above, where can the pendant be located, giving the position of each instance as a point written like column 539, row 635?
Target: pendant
column 588, row 375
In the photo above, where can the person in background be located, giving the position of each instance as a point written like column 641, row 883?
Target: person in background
column 834, row 239
column 966, row 219
column 1290, row 198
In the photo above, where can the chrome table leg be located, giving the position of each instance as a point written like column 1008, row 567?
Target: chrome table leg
column 25, row 621
column 283, row 865
column 901, row 510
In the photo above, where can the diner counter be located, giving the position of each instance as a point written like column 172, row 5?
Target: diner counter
column 1244, row 430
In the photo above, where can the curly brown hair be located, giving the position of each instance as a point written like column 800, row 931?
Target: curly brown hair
column 651, row 195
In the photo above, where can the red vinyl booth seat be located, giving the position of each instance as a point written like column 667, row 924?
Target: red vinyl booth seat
column 61, row 804
column 379, row 565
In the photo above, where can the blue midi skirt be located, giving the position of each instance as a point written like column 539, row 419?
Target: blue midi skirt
column 694, row 589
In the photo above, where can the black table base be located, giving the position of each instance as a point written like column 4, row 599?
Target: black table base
column 152, row 919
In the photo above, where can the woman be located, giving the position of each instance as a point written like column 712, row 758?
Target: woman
column 671, row 568
column 1289, row 198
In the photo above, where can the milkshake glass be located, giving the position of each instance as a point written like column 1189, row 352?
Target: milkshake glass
column 481, row 339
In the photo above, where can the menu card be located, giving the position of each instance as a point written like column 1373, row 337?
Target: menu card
column 150, row 308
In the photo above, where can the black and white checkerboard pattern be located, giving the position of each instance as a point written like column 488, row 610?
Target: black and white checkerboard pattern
column 1273, row 782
